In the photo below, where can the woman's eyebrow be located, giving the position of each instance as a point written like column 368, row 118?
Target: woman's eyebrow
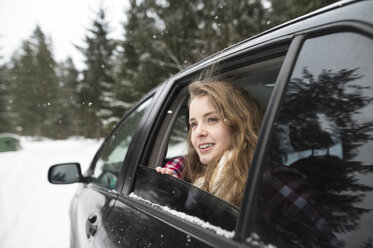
column 210, row 113
column 191, row 119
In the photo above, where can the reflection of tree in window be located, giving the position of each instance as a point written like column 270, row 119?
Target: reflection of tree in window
column 180, row 131
column 59, row 177
column 115, row 149
column 333, row 96
column 367, row 244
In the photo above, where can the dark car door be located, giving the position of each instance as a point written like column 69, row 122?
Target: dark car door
column 94, row 200
column 155, row 210
column 317, row 178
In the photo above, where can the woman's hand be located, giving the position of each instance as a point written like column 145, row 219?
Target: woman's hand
column 165, row 171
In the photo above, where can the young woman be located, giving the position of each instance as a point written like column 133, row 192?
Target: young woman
column 224, row 125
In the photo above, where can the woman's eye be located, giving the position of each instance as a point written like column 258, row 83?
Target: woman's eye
column 193, row 124
column 212, row 120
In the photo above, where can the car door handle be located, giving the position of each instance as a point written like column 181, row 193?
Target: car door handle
column 91, row 225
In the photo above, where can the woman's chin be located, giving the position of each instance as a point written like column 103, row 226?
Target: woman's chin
column 205, row 161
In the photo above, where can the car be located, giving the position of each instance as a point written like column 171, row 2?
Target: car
column 311, row 179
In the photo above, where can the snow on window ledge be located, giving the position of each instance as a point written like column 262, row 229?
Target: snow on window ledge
column 195, row 220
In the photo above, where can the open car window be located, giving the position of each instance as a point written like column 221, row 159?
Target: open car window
column 171, row 141
column 258, row 79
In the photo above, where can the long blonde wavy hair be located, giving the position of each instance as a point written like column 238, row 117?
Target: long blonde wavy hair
column 242, row 115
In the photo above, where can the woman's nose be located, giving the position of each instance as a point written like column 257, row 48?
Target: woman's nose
column 201, row 131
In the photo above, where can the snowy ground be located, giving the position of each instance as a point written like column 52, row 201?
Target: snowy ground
column 34, row 213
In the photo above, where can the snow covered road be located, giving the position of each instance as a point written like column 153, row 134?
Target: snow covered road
column 34, row 213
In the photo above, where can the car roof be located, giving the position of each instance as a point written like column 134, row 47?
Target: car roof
column 308, row 20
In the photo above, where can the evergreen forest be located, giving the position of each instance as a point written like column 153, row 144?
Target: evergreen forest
column 42, row 97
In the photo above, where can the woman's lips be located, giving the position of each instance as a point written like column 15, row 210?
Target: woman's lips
column 205, row 147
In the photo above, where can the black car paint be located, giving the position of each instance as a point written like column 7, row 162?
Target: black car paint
column 183, row 197
column 128, row 218
column 123, row 221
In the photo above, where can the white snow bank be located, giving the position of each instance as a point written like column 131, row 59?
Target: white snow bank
column 33, row 212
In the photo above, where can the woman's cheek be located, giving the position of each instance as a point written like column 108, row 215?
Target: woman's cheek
column 194, row 143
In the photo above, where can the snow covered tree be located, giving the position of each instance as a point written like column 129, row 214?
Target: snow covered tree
column 96, row 89
column 163, row 37
column 136, row 71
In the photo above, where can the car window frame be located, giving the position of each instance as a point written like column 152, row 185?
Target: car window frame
column 246, row 218
column 150, row 122
column 140, row 139
column 261, row 52
column 156, row 158
column 93, row 163
column 163, row 98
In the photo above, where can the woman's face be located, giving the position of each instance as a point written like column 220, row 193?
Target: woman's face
column 210, row 136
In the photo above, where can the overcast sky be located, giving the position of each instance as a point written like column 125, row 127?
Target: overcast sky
column 65, row 21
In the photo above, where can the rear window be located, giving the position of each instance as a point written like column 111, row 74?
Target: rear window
column 318, row 185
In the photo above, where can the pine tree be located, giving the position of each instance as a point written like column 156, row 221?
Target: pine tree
column 23, row 90
column 48, row 82
column 5, row 109
column 134, row 73
column 283, row 11
column 96, row 90
column 68, row 82
column 34, row 86
column 164, row 37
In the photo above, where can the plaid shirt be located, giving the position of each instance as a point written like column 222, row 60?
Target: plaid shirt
column 295, row 208
column 175, row 164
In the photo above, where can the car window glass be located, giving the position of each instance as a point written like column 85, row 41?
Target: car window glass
column 183, row 200
column 163, row 190
column 115, row 149
column 317, row 188
column 177, row 145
